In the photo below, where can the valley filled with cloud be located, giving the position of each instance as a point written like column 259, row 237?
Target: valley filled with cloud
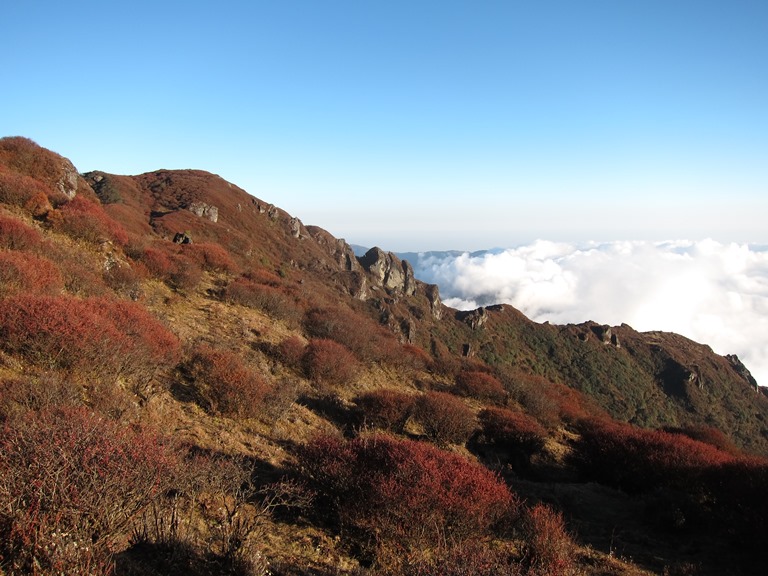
column 711, row 292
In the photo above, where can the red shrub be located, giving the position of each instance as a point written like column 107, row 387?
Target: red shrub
column 86, row 220
column 16, row 235
column 96, row 337
column 212, row 257
column 639, row 460
column 71, row 484
column 329, row 363
column 268, row 299
column 224, row 384
column 158, row 261
column 22, row 272
column 514, row 429
column 480, row 385
column 387, row 409
column 550, row 551
column 404, row 493
column 291, row 351
column 18, row 189
column 367, row 339
column 445, row 418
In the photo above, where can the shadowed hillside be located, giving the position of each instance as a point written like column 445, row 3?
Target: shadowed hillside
column 192, row 381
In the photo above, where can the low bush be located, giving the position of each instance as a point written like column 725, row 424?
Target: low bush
column 24, row 272
column 401, row 495
column 86, row 220
column 269, row 299
column 224, row 384
column 480, row 385
column 549, row 549
column 16, row 235
column 96, row 338
column 328, row 363
column 385, row 409
column 445, row 418
column 640, row 460
column 291, row 351
column 211, row 257
column 512, row 429
column 71, row 484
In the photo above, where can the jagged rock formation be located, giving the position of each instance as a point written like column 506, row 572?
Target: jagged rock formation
column 203, row 210
column 389, row 272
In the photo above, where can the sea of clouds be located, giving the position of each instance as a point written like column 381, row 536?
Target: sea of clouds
column 713, row 293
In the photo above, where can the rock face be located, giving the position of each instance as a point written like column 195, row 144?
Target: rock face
column 435, row 303
column 338, row 248
column 606, row 335
column 475, row 319
column 68, row 181
column 742, row 370
column 389, row 272
column 203, row 210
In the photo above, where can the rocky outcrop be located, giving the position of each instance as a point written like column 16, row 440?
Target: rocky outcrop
column 435, row 303
column 338, row 248
column 475, row 319
column 742, row 370
column 203, row 210
column 389, row 272
column 606, row 335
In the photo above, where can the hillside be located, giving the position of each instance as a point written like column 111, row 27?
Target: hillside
column 193, row 381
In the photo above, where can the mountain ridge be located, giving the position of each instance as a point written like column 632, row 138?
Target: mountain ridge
column 274, row 332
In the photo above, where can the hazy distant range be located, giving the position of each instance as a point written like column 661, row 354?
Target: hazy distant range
column 711, row 292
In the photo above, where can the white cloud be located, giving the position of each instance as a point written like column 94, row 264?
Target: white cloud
column 713, row 293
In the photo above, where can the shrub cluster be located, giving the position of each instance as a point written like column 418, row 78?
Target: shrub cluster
column 445, row 418
column 24, row 272
column 224, row 384
column 86, row 220
column 16, row 235
column 99, row 338
column 71, row 484
column 480, row 385
column 512, row 429
column 329, row 363
column 385, row 409
column 401, row 494
column 273, row 300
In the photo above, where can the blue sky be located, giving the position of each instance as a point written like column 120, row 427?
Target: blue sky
column 418, row 125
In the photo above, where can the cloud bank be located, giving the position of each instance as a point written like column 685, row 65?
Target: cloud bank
column 713, row 293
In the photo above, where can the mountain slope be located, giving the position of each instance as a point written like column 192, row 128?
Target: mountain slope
column 173, row 311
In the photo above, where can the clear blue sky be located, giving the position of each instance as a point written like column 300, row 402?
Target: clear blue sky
column 417, row 125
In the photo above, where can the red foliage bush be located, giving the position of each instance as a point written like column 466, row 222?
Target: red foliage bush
column 165, row 263
column 639, row 460
column 550, row 551
column 405, row 494
column 96, row 337
column 18, row 189
column 480, row 385
column 71, row 484
column 368, row 340
column 22, row 272
column 386, row 409
column 514, row 429
column 86, row 220
column 291, row 351
column 329, row 363
column 224, row 384
column 212, row 257
column 16, row 235
column 445, row 418
column 269, row 299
